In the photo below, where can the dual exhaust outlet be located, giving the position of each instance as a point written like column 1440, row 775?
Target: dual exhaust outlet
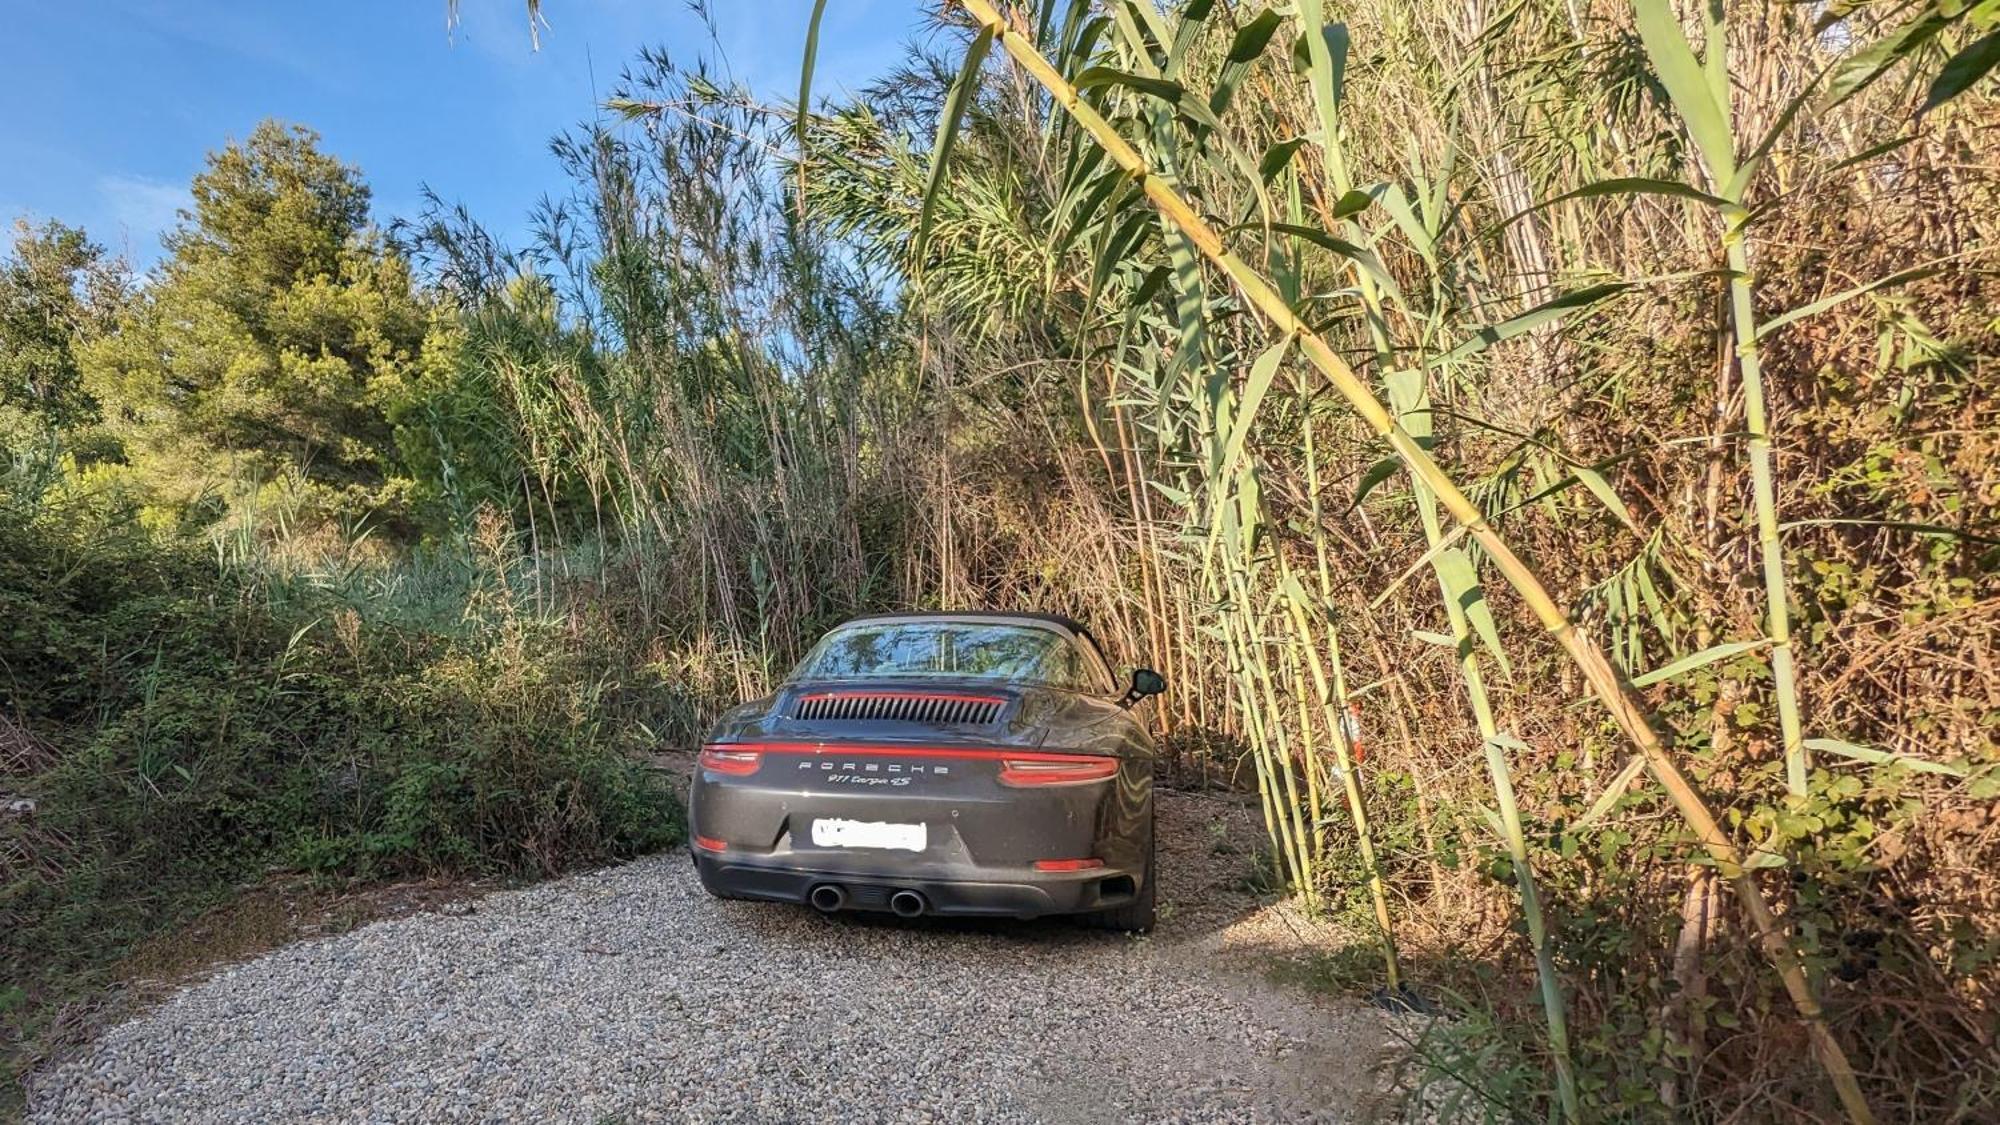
column 829, row 897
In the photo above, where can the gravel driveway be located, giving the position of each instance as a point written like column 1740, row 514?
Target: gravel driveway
column 628, row 995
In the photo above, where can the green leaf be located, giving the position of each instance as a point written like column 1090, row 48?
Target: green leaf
column 1863, row 67
column 1438, row 639
column 1704, row 108
column 1261, row 374
column 1361, row 256
column 1161, row 88
column 1351, row 204
column 1244, row 50
column 1632, row 185
column 1882, row 757
column 1377, row 473
column 1825, row 303
column 1964, row 68
column 1326, row 55
column 954, row 107
column 1277, row 156
column 1700, row 659
column 1606, row 495
column 1553, row 309
column 1461, row 583
column 806, row 72
column 1252, row 37
column 1634, row 766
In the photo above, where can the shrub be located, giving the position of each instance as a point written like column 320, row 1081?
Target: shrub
column 179, row 736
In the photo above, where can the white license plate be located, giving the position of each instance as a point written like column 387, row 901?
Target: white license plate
column 868, row 834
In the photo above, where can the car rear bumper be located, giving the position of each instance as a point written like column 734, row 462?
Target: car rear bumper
column 1012, row 893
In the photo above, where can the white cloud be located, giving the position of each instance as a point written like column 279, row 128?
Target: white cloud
column 146, row 208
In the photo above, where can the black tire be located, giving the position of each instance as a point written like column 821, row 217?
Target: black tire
column 1137, row 916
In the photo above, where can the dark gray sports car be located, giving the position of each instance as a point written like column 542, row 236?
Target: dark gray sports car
column 937, row 763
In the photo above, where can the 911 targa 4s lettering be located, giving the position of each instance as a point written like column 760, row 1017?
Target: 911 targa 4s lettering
column 964, row 763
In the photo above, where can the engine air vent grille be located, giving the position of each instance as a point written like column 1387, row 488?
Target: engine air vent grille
column 897, row 706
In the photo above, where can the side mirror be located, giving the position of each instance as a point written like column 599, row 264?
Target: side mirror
column 1145, row 682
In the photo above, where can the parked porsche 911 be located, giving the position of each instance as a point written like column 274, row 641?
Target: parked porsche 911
column 937, row 763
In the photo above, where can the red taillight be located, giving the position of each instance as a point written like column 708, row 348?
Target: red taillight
column 724, row 760
column 1055, row 769
column 710, row 843
column 1067, row 864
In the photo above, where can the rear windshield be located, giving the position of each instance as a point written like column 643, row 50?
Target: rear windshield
column 1010, row 653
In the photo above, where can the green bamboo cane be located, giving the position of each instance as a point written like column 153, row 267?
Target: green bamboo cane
column 1699, row 91
column 1764, row 493
column 1266, row 717
column 1333, row 704
column 1457, row 581
column 1622, row 705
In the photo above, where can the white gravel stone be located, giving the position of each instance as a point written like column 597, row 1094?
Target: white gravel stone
column 629, row 995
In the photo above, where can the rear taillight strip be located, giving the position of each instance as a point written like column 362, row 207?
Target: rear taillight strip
column 877, row 750
column 1019, row 771
column 736, row 760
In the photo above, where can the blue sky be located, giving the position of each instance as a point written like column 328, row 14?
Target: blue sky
column 111, row 104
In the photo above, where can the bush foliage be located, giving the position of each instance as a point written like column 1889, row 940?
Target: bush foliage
column 181, row 730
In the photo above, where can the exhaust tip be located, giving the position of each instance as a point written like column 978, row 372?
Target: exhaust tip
column 906, row 904
column 827, row 898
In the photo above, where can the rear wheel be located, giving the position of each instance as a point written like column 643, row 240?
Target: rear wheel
column 1137, row 916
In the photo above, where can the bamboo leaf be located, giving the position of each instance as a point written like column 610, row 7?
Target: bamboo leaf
column 1700, row 659
column 1351, row 204
column 1244, row 49
column 806, row 72
column 1164, row 89
column 1632, row 185
column 1553, row 309
column 1261, row 373
column 1704, row 109
column 1277, row 156
column 1461, row 582
column 954, row 107
column 1430, row 638
column 1964, row 68
column 1377, row 473
column 1863, row 67
column 1873, row 756
column 1825, row 303
column 1606, row 495
column 1326, row 66
column 1361, row 256
column 1609, row 798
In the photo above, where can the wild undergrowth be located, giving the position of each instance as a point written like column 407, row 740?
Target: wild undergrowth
column 180, row 728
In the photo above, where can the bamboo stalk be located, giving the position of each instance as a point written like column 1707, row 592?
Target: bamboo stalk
column 1624, row 708
column 1764, row 498
column 1409, row 397
column 1334, row 705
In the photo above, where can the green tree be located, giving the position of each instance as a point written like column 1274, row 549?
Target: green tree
column 56, row 287
column 261, row 363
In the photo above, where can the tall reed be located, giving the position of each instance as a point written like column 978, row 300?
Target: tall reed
column 1604, row 682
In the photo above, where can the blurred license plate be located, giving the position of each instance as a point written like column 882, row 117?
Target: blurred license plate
column 867, row 834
